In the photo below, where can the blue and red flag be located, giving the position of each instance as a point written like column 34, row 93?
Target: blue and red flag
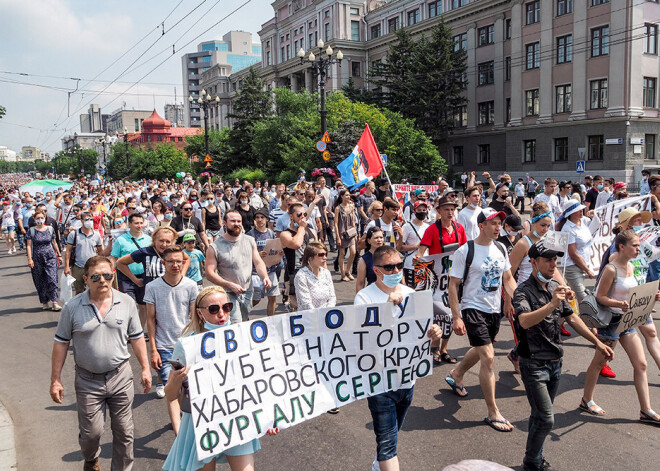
column 364, row 163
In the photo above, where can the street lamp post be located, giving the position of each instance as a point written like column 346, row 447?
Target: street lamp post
column 205, row 101
column 126, row 145
column 320, row 65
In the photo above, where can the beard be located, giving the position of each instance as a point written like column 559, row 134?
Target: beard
column 235, row 232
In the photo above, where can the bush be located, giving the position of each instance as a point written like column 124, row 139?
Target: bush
column 247, row 174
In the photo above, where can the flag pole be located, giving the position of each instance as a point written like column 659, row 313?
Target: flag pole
column 385, row 170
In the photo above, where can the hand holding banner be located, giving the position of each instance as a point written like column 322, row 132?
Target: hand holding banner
column 641, row 300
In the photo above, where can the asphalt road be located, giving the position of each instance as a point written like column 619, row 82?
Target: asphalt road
column 440, row 428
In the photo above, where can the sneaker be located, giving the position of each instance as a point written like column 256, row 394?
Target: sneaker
column 92, row 465
column 545, row 466
column 55, row 306
column 564, row 331
column 375, row 466
column 160, row 391
column 45, row 306
column 334, row 410
column 607, row 372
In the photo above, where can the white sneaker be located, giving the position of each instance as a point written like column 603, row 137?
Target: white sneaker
column 160, row 391
column 375, row 466
column 56, row 306
column 45, row 306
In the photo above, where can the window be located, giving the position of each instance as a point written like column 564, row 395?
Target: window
column 600, row 41
column 561, row 149
column 596, row 147
column 327, row 31
column 355, row 69
column 460, row 116
column 413, row 17
column 311, row 40
column 563, row 99
column 435, row 8
column 530, row 150
column 599, row 2
column 267, row 57
column 533, row 55
column 650, row 39
column 457, row 3
column 532, row 102
column 486, row 73
column 564, row 7
column 460, row 42
column 392, row 24
column 355, row 11
column 648, row 92
column 295, row 46
column 287, row 36
column 282, row 54
column 486, row 35
column 649, row 146
column 137, row 125
column 484, row 154
column 355, row 30
column 564, row 49
column 326, row 14
column 507, row 112
column 288, row 51
column 507, row 69
column 533, row 12
column 598, row 90
column 375, row 31
column 458, row 155
column 486, row 112
column 507, row 28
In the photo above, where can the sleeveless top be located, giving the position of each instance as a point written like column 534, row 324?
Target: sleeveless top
column 368, row 258
column 619, row 289
column 212, row 220
column 525, row 267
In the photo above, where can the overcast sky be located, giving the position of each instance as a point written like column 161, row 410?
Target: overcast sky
column 81, row 38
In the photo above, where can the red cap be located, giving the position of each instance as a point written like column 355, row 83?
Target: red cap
column 419, row 203
column 619, row 185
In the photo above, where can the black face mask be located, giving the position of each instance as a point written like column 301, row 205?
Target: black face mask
column 421, row 216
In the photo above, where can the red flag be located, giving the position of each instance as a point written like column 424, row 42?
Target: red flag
column 368, row 154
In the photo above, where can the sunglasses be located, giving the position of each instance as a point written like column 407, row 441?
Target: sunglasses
column 377, row 209
column 96, row 277
column 117, row 223
column 322, row 254
column 301, row 214
column 186, row 209
column 215, row 308
column 76, row 210
column 391, row 266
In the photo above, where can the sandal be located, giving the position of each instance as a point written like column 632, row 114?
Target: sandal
column 514, row 362
column 446, row 357
column 350, row 277
column 345, row 278
column 492, row 422
column 649, row 417
column 437, row 358
column 455, row 387
column 587, row 407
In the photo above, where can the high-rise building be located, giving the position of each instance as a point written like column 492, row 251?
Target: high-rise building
column 30, row 153
column 175, row 114
column 234, row 52
column 130, row 119
column 93, row 120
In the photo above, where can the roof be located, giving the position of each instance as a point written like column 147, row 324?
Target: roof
column 155, row 122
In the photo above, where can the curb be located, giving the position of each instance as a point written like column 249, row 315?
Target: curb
column 7, row 443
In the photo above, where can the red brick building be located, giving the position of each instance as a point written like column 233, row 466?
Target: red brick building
column 156, row 130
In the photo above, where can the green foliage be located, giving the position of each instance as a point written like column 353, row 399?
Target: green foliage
column 3, row 111
column 23, row 167
column 77, row 161
column 160, row 162
column 247, row 174
column 218, row 150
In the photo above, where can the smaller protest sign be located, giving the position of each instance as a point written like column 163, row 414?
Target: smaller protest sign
column 641, row 300
column 555, row 240
column 432, row 273
column 273, row 251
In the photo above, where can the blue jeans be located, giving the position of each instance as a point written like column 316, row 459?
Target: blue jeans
column 20, row 237
column 242, row 306
column 541, row 380
column 654, row 271
column 388, row 410
column 164, row 370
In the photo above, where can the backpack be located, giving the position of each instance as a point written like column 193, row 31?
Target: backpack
column 468, row 262
column 51, row 231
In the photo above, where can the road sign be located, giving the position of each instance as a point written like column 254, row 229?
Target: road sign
column 579, row 168
column 384, row 157
column 326, row 155
column 321, row 146
column 208, row 158
column 326, row 137
column 581, row 151
column 208, row 165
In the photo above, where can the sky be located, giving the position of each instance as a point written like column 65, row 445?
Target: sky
column 96, row 41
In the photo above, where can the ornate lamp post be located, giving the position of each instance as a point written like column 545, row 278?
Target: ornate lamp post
column 206, row 101
column 126, row 145
column 320, row 64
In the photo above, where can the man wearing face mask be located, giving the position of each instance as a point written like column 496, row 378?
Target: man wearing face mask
column 540, row 304
column 644, row 188
column 413, row 231
column 82, row 244
column 24, row 215
column 502, row 201
column 467, row 216
column 592, row 194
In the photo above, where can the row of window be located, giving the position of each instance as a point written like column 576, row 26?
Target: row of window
column 595, row 150
column 563, row 7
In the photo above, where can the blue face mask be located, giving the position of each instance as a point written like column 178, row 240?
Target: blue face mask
column 209, row 326
column 600, row 187
column 536, row 234
column 542, row 278
column 637, row 228
column 168, row 216
column 392, row 280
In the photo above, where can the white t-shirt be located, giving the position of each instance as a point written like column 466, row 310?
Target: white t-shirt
column 8, row 219
column 581, row 237
column 388, row 232
column 410, row 238
column 483, row 288
column 372, row 294
column 603, row 196
column 467, row 217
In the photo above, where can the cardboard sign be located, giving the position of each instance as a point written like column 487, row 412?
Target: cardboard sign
column 273, row 251
column 558, row 241
column 641, row 300
column 432, row 273
column 282, row 370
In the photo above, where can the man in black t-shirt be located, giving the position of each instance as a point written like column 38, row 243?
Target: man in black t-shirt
column 592, row 194
column 186, row 223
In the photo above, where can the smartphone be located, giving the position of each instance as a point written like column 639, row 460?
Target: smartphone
column 175, row 364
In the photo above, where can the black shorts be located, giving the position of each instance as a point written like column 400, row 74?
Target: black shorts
column 292, row 285
column 126, row 286
column 481, row 327
column 531, row 194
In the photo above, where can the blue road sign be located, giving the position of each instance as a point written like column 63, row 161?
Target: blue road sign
column 384, row 157
column 579, row 168
column 320, row 145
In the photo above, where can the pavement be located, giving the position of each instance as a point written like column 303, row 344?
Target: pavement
column 440, row 428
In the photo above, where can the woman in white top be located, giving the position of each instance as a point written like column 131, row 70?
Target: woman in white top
column 579, row 249
column 612, row 292
column 9, row 227
column 313, row 281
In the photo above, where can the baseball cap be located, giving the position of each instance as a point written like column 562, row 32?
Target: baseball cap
column 419, row 203
column 489, row 213
column 514, row 222
column 540, row 250
column 619, row 185
column 448, row 190
column 263, row 212
column 189, row 237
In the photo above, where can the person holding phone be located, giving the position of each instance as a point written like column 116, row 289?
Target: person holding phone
column 502, row 201
column 211, row 311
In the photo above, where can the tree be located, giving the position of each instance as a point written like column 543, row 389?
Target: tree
column 252, row 105
column 423, row 80
column 77, row 161
column 218, row 150
column 161, row 162
column 3, row 111
column 116, row 161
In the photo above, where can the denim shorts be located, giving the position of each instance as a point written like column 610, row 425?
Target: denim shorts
column 388, row 411
column 164, row 370
column 610, row 333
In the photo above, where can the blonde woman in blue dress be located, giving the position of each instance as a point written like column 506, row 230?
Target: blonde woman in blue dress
column 212, row 308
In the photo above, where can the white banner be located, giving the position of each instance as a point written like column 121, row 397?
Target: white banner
column 432, row 273
column 641, row 300
column 605, row 220
column 408, row 188
column 282, row 370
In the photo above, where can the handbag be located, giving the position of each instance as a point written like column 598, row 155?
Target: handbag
column 350, row 232
column 593, row 314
